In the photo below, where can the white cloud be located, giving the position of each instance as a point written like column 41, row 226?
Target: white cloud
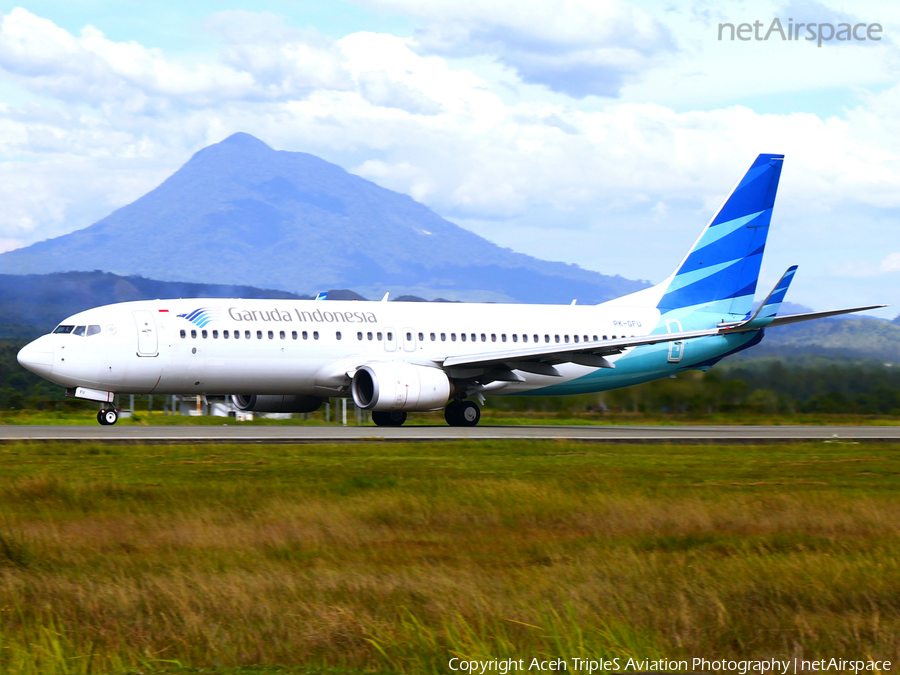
column 621, row 186
column 891, row 263
column 579, row 47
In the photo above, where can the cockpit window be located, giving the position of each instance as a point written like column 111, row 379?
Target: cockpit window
column 64, row 329
column 79, row 330
column 93, row 330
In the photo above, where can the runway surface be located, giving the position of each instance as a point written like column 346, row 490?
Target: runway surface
column 236, row 433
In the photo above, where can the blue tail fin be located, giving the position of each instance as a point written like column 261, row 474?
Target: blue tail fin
column 720, row 272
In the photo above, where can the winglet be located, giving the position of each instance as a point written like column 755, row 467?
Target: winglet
column 769, row 307
column 322, row 296
column 385, row 298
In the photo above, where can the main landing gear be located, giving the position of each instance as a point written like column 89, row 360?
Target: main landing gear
column 462, row 413
column 457, row 414
column 107, row 417
column 388, row 419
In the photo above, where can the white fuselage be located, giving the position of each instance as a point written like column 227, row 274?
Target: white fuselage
column 307, row 347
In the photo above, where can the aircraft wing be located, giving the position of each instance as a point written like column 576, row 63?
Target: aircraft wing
column 540, row 359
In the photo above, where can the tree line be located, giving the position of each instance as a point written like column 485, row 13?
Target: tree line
column 802, row 384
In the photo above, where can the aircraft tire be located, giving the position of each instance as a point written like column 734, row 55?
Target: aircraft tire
column 107, row 417
column 469, row 414
column 462, row 414
column 394, row 418
column 451, row 413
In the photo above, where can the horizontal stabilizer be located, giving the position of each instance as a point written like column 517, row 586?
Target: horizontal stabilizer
column 797, row 318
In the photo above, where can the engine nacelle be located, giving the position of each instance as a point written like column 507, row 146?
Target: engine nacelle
column 277, row 404
column 400, row 386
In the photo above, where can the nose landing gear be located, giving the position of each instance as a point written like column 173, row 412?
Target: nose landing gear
column 462, row 413
column 107, row 417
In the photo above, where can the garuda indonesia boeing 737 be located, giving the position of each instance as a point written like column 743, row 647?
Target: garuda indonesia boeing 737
column 289, row 355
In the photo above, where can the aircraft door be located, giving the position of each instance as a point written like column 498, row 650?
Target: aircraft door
column 390, row 340
column 676, row 349
column 409, row 339
column 147, row 338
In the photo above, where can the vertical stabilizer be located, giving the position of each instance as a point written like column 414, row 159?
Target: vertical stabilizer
column 720, row 272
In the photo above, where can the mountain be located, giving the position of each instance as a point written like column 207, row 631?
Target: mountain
column 241, row 212
column 33, row 304
column 852, row 338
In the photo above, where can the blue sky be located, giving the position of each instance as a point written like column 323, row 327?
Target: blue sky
column 602, row 133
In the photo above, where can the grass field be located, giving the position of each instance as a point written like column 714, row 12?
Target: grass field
column 380, row 557
column 488, row 416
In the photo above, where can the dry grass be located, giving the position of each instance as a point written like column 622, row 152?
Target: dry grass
column 395, row 557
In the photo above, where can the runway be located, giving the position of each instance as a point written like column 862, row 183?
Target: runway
column 237, row 433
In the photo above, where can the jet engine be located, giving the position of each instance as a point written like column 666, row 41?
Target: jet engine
column 277, row 404
column 400, row 386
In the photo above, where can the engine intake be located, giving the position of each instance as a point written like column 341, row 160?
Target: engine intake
column 276, row 404
column 400, row 386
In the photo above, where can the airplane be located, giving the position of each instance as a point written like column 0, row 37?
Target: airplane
column 396, row 358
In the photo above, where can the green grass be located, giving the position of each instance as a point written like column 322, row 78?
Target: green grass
column 490, row 416
column 379, row 557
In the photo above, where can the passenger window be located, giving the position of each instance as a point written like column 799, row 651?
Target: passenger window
column 546, row 338
column 567, row 339
column 390, row 335
column 293, row 335
column 493, row 337
column 443, row 337
column 474, row 337
column 259, row 335
column 614, row 337
column 237, row 335
column 409, row 337
column 194, row 334
column 422, row 337
column 452, row 337
column 604, row 337
column 93, row 330
column 204, row 334
column 79, row 331
column 282, row 335
column 432, row 336
column 368, row 336
column 557, row 338
column 246, row 334
column 378, row 335
column 462, row 336
column 225, row 334
column 585, row 339
column 575, row 338
column 503, row 337
column 515, row 337
column 537, row 340
column 359, row 336
column 271, row 335
column 215, row 335
column 525, row 337
column 338, row 335
column 183, row 334
column 315, row 335
column 64, row 329
column 305, row 335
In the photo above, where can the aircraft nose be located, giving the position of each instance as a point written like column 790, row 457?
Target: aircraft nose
column 36, row 357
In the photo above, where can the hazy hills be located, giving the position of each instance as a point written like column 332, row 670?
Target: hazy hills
column 241, row 212
column 33, row 304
